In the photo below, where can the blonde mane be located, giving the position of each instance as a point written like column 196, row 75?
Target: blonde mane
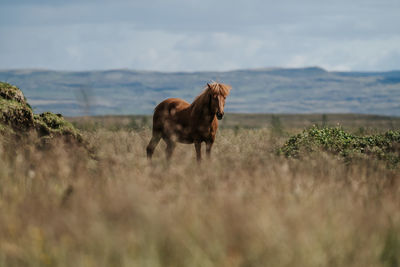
column 213, row 88
column 218, row 89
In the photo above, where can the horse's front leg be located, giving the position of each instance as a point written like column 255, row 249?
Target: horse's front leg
column 197, row 146
column 208, row 148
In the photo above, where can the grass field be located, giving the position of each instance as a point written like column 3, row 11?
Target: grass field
column 246, row 206
column 288, row 122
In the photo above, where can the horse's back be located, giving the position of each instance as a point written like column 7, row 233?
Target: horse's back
column 171, row 103
column 171, row 110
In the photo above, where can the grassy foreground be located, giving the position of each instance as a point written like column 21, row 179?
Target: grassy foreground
column 244, row 207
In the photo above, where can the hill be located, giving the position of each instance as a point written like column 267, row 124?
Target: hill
column 304, row 90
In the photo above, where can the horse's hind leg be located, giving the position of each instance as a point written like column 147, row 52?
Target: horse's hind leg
column 170, row 148
column 152, row 144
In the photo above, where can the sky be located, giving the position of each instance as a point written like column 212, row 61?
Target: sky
column 199, row 35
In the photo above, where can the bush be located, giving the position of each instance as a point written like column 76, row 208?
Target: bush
column 337, row 141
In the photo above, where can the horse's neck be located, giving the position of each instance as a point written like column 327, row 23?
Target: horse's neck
column 200, row 111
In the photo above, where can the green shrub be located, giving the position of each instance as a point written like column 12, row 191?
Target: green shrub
column 339, row 142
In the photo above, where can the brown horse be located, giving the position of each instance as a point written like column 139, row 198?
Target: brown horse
column 175, row 120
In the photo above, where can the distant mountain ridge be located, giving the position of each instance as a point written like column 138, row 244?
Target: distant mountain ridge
column 272, row 90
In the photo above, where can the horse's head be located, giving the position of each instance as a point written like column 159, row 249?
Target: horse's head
column 218, row 93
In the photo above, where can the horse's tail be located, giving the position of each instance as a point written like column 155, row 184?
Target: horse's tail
column 158, row 118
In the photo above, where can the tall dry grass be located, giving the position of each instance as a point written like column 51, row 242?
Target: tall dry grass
column 244, row 207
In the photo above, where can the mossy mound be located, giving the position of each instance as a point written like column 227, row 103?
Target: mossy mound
column 336, row 141
column 50, row 124
column 11, row 92
column 17, row 117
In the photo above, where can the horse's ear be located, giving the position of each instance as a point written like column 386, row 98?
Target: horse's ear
column 208, row 85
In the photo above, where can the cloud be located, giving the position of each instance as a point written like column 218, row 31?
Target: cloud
column 192, row 35
column 364, row 54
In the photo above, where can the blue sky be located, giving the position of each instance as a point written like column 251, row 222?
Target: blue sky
column 193, row 35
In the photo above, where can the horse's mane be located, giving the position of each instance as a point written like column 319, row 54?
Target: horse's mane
column 214, row 88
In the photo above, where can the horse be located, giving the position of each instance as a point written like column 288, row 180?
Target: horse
column 175, row 120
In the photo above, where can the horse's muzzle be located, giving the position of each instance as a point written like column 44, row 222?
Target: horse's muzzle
column 219, row 115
